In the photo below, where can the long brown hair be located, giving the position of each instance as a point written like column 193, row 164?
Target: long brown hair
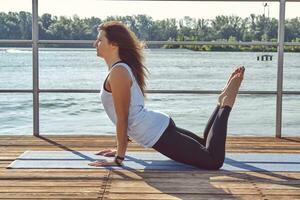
column 130, row 49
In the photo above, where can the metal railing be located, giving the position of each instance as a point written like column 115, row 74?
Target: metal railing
column 35, row 42
column 90, row 42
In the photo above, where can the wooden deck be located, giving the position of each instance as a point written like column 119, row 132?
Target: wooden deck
column 154, row 185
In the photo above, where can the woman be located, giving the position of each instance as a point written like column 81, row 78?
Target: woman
column 123, row 95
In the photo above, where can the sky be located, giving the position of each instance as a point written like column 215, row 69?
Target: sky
column 156, row 9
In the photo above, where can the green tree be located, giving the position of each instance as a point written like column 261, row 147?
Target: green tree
column 79, row 29
column 17, row 25
column 25, row 24
column 226, row 26
column 292, row 29
column 61, row 29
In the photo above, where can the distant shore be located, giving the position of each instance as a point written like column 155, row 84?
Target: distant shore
column 231, row 28
column 251, row 48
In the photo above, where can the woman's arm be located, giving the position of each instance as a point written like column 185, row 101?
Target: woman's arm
column 121, row 138
column 120, row 83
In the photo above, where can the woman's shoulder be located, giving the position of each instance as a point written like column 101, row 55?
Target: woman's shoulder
column 123, row 65
column 120, row 74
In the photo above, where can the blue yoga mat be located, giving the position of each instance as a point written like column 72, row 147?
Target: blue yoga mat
column 153, row 161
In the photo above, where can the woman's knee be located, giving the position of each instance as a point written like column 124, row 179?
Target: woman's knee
column 217, row 165
column 211, row 165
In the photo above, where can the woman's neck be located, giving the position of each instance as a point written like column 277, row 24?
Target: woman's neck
column 112, row 60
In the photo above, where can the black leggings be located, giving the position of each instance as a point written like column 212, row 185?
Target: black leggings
column 186, row 147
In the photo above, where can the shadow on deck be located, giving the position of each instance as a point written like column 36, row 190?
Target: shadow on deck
column 139, row 184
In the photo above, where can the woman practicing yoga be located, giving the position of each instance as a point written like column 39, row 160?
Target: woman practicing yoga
column 122, row 96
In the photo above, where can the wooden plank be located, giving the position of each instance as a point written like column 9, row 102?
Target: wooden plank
column 26, row 175
column 206, row 174
column 115, row 196
column 43, row 189
column 203, row 184
column 50, row 183
column 203, row 191
column 153, row 184
column 51, row 195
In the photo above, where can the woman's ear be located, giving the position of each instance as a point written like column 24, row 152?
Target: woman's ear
column 114, row 45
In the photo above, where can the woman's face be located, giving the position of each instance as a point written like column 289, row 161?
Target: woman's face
column 102, row 45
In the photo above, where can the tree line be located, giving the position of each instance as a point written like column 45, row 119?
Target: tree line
column 17, row 25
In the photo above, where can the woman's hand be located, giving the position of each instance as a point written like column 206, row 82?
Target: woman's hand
column 99, row 163
column 107, row 152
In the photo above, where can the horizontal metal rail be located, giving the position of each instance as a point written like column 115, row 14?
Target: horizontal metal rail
column 214, row 0
column 15, row 91
column 90, row 42
column 165, row 42
column 148, row 91
column 15, row 41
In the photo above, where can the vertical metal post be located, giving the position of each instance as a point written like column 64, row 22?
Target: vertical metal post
column 280, row 51
column 35, row 67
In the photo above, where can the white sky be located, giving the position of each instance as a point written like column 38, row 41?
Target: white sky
column 155, row 9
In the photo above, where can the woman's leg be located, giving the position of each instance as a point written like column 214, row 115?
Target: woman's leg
column 181, row 148
column 185, row 149
column 206, row 130
column 221, row 96
column 216, row 137
column 210, row 122
column 191, row 134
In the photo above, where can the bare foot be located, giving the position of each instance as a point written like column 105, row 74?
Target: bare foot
column 237, row 70
column 232, row 89
column 223, row 93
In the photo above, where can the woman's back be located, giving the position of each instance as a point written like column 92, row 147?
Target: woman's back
column 144, row 126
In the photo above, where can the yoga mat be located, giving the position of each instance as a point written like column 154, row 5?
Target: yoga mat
column 153, row 161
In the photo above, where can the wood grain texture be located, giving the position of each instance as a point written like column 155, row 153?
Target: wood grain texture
column 134, row 185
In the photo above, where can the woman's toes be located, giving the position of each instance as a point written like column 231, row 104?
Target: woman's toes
column 243, row 69
column 236, row 73
column 232, row 74
column 242, row 73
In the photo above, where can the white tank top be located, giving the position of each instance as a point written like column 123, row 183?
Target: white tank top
column 144, row 126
